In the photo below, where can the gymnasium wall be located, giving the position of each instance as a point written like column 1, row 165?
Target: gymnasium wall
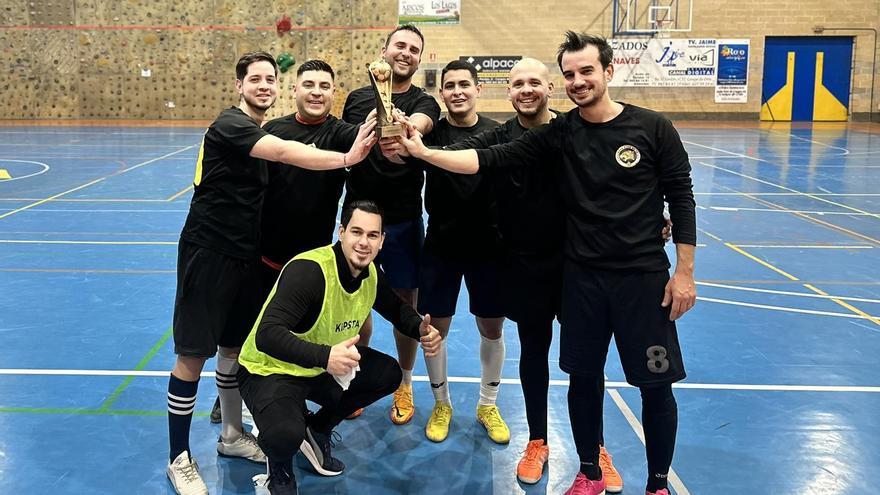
column 87, row 58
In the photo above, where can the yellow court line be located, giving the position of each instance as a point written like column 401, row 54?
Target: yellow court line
column 90, row 183
column 832, row 226
column 88, row 270
column 815, row 220
column 38, row 203
column 89, row 200
column 760, row 261
column 812, row 196
column 850, row 283
column 180, row 193
column 845, row 304
column 713, row 236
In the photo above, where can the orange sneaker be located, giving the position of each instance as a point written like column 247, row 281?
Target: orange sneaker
column 356, row 413
column 402, row 406
column 530, row 468
column 613, row 481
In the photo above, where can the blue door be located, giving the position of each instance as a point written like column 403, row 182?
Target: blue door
column 806, row 78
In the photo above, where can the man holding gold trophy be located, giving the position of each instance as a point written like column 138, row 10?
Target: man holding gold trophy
column 397, row 190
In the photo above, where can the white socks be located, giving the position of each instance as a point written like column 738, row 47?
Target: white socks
column 438, row 375
column 230, row 397
column 491, row 362
column 407, row 377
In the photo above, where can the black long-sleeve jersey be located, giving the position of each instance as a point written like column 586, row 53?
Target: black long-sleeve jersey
column 300, row 207
column 297, row 302
column 396, row 189
column 613, row 178
column 461, row 208
column 529, row 212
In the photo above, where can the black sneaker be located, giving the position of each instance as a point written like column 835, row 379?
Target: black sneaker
column 281, row 478
column 316, row 447
column 215, row 412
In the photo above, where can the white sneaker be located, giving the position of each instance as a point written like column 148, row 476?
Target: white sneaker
column 244, row 446
column 183, row 472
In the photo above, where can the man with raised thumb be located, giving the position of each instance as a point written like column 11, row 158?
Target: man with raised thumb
column 303, row 346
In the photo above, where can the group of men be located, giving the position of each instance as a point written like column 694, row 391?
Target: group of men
column 556, row 216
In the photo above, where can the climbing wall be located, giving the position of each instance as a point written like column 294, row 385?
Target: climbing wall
column 171, row 59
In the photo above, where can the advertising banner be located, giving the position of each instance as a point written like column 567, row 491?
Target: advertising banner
column 429, row 12
column 664, row 62
column 732, row 85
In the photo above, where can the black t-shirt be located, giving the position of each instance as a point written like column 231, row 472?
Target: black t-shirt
column 461, row 209
column 530, row 215
column 297, row 303
column 613, row 178
column 224, row 214
column 397, row 189
column 299, row 212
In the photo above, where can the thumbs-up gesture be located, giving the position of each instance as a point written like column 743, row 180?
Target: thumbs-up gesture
column 431, row 338
column 344, row 356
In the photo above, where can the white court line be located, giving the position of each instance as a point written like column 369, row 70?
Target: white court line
column 474, row 379
column 845, row 151
column 806, row 246
column 95, row 181
column 89, row 200
column 782, row 194
column 789, row 310
column 49, row 210
column 92, row 243
column 787, row 293
column 105, row 132
column 808, row 195
column 725, row 151
column 805, row 212
column 78, row 145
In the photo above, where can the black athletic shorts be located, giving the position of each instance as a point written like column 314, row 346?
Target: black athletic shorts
column 440, row 282
column 218, row 300
column 599, row 303
column 531, row 286
column 401, row 250
column 379, row 371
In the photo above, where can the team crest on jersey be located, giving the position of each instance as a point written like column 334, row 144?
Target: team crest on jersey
column 628, row 156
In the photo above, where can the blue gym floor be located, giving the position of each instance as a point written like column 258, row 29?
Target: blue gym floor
column 782, row 350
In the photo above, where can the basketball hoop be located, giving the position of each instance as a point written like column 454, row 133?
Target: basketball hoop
column 662, row 28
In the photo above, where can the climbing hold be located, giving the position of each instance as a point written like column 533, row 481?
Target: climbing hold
column 285, row 61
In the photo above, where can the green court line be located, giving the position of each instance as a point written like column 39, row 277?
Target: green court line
column 86, row 412
column 141, row 365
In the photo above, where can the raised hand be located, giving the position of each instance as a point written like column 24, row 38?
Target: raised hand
column 365, row 140
column 412, row 142
column 431, row 338
column 344, row 357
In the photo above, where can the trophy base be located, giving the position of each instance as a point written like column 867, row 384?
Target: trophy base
column 390, row 130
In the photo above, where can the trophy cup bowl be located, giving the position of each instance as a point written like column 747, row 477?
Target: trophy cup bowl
column 380, row 79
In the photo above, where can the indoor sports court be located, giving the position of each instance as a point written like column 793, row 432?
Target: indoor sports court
column 97, row 159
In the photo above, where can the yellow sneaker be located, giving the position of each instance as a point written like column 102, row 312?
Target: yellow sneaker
column 437, row 428
column 497, row 429
column 402, row 406
column 613, row 481
column 530, row 468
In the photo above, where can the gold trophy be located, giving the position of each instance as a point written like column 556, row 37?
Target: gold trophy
column 380, row 78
